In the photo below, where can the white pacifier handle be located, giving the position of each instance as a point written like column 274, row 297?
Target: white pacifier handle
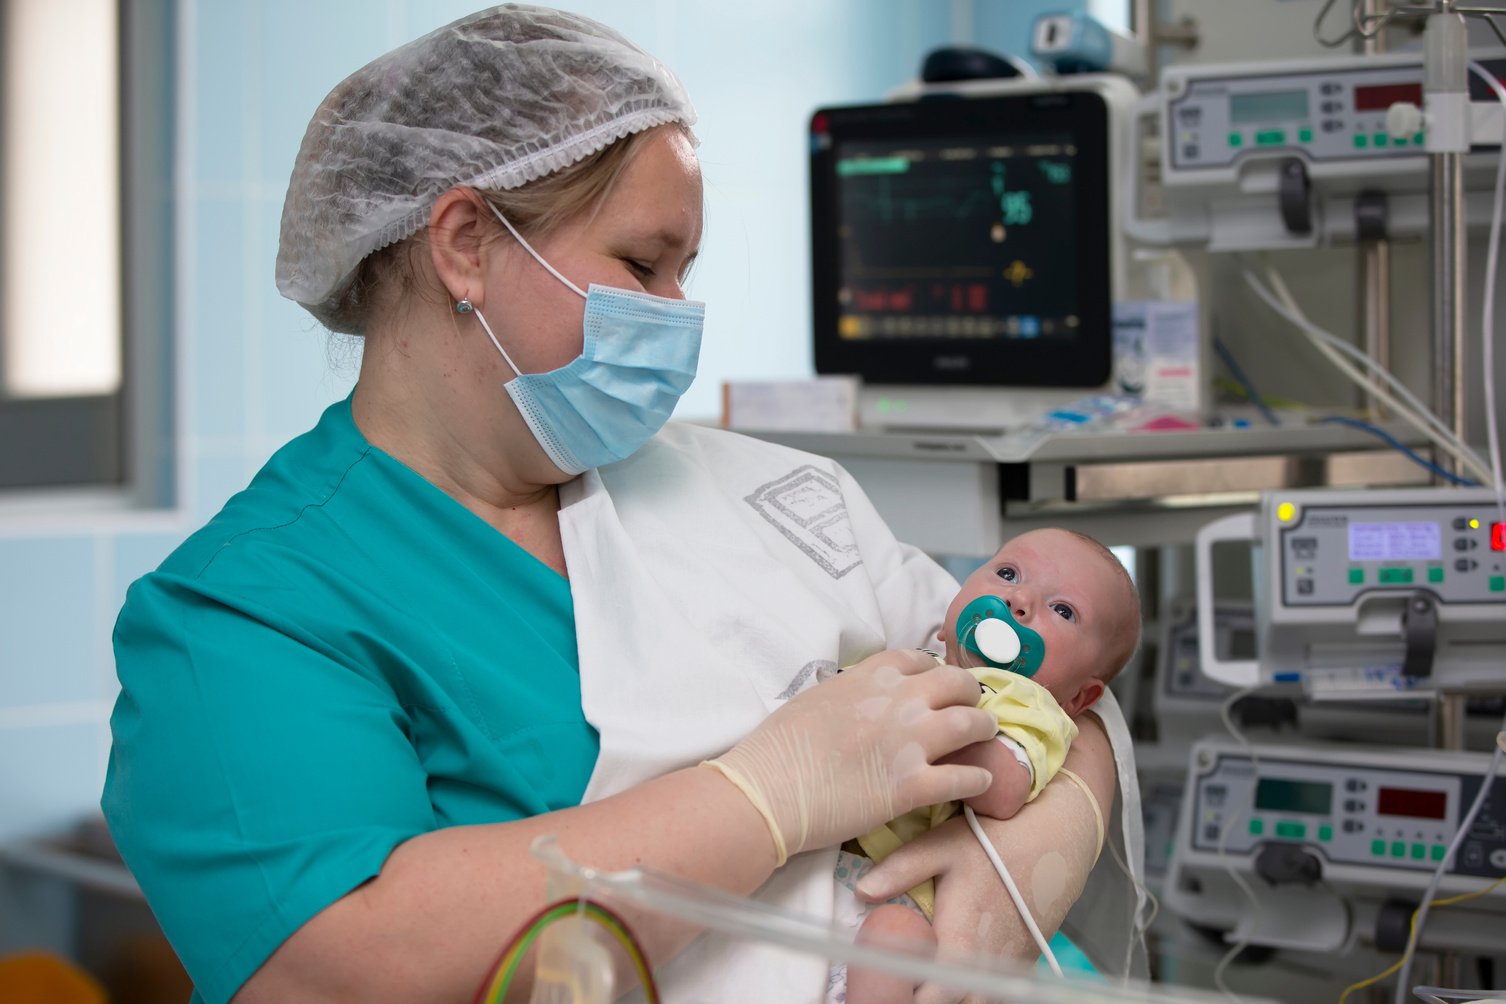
column 997, row 640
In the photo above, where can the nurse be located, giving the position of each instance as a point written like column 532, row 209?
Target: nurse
column 426, row 632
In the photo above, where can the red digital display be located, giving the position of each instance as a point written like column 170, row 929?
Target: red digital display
column 1498, row 536
column 1412, row 803
column 1383, row 96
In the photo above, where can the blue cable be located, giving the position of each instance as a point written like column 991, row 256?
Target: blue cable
column 1240, row 378
column 1398, row 445
column 1236, row 371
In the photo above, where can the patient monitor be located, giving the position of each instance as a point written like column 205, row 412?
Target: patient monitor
column 966, row 242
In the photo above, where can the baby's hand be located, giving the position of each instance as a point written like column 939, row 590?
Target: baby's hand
column 1011, row 785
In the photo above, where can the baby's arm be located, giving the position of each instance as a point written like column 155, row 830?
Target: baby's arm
column 1011, row 787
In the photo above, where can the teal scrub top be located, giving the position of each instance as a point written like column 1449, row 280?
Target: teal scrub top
column 343, row 658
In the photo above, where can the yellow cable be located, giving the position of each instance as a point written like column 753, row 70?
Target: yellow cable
column 1362, row 984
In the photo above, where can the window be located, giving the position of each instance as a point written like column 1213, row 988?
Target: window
column 85, row 241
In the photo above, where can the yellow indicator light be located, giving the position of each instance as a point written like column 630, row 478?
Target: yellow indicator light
column 1285, row 511
column 1474, row 524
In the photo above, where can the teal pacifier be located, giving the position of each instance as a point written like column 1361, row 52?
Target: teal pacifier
column 987, row 628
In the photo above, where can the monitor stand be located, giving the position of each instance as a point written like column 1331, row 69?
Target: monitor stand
column 974, row 410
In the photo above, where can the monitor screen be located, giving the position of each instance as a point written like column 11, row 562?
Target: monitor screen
column 963, row 241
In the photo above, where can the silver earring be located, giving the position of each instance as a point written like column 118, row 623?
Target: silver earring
column 464, row 306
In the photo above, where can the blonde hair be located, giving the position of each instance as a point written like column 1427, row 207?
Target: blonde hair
column 536, row 209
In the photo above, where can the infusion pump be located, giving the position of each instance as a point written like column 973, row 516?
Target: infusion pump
column 1368, row 593
column 1333, row 833
column 1293, row 153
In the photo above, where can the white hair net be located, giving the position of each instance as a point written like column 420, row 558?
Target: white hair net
column 493, row 101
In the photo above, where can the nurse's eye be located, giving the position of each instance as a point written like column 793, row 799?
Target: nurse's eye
column 1064, row 611
column 1008, row 574
column 641, row 268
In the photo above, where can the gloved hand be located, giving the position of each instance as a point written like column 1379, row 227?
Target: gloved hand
column 1049, row 848
column 859, row 749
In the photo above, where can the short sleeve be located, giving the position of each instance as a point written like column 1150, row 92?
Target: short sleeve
column 254, row 779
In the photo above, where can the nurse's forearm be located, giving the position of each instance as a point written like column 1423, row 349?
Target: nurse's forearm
column 431, row 924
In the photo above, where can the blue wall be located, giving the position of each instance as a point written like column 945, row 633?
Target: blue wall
column 255, row 370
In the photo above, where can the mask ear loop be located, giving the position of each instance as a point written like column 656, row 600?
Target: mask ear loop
column 529, row 248
column 465, row 306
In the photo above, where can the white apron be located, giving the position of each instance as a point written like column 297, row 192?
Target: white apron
column 751, row 571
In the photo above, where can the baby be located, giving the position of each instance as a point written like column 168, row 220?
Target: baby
column 1044, row 624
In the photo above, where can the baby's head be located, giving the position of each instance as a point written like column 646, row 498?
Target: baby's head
column 1075, row 594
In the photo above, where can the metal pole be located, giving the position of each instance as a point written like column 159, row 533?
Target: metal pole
column 1143, row 21
column 1449, row 261
column 1445, row 46
column 1375, row 262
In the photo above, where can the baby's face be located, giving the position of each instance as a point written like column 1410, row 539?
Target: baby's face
column 1061, row 587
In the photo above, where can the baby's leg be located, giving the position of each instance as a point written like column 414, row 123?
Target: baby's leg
column 889, row 925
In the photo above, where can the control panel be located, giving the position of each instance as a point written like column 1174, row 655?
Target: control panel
column 1335, row 114
column 1397, row 810
column 1333, row 554
column 1330, row 111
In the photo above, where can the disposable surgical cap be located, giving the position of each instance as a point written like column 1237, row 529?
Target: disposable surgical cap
column 493, row 101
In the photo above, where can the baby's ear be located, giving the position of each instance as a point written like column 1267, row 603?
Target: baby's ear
column 1087, row 695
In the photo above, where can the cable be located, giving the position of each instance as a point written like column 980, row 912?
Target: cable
column 1141, row 926
column 1401, row 447
column 1415, row 412
column 1014, row 893
column 1448, row 859
column 1223, row 836
column 493, row 989
column 1238, row 373
column 1362, row 984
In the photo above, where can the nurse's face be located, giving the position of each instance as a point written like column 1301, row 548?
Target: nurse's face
column 644, row 236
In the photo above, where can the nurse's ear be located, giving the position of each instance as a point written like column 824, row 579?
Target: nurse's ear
column 460, row 233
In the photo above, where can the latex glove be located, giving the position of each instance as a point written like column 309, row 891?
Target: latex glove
column 1049, row 848
column 859, row 749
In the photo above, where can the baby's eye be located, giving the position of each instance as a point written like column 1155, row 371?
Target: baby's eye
column 1064, row 611
column 1007, row 574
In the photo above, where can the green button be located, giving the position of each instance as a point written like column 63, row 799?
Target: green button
column 1401, row 141
column 1325, row 833
column 1381, row 139
column 1305, row 135
column 1417, row 138
column 1257, row 827
column 1435, row 574
column 1393, row 575
column 1291, row 831
column 1438, row 852
column 1356, row 576
column 1270, row 137
column 1498, row 583
column 1378, row 848
column 1419, row 852
column 1361, row 141
column 1398, row 849
column 1236, row 139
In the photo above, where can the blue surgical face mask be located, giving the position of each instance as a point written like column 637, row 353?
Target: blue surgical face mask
column 638, row 357
column 988, row 630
